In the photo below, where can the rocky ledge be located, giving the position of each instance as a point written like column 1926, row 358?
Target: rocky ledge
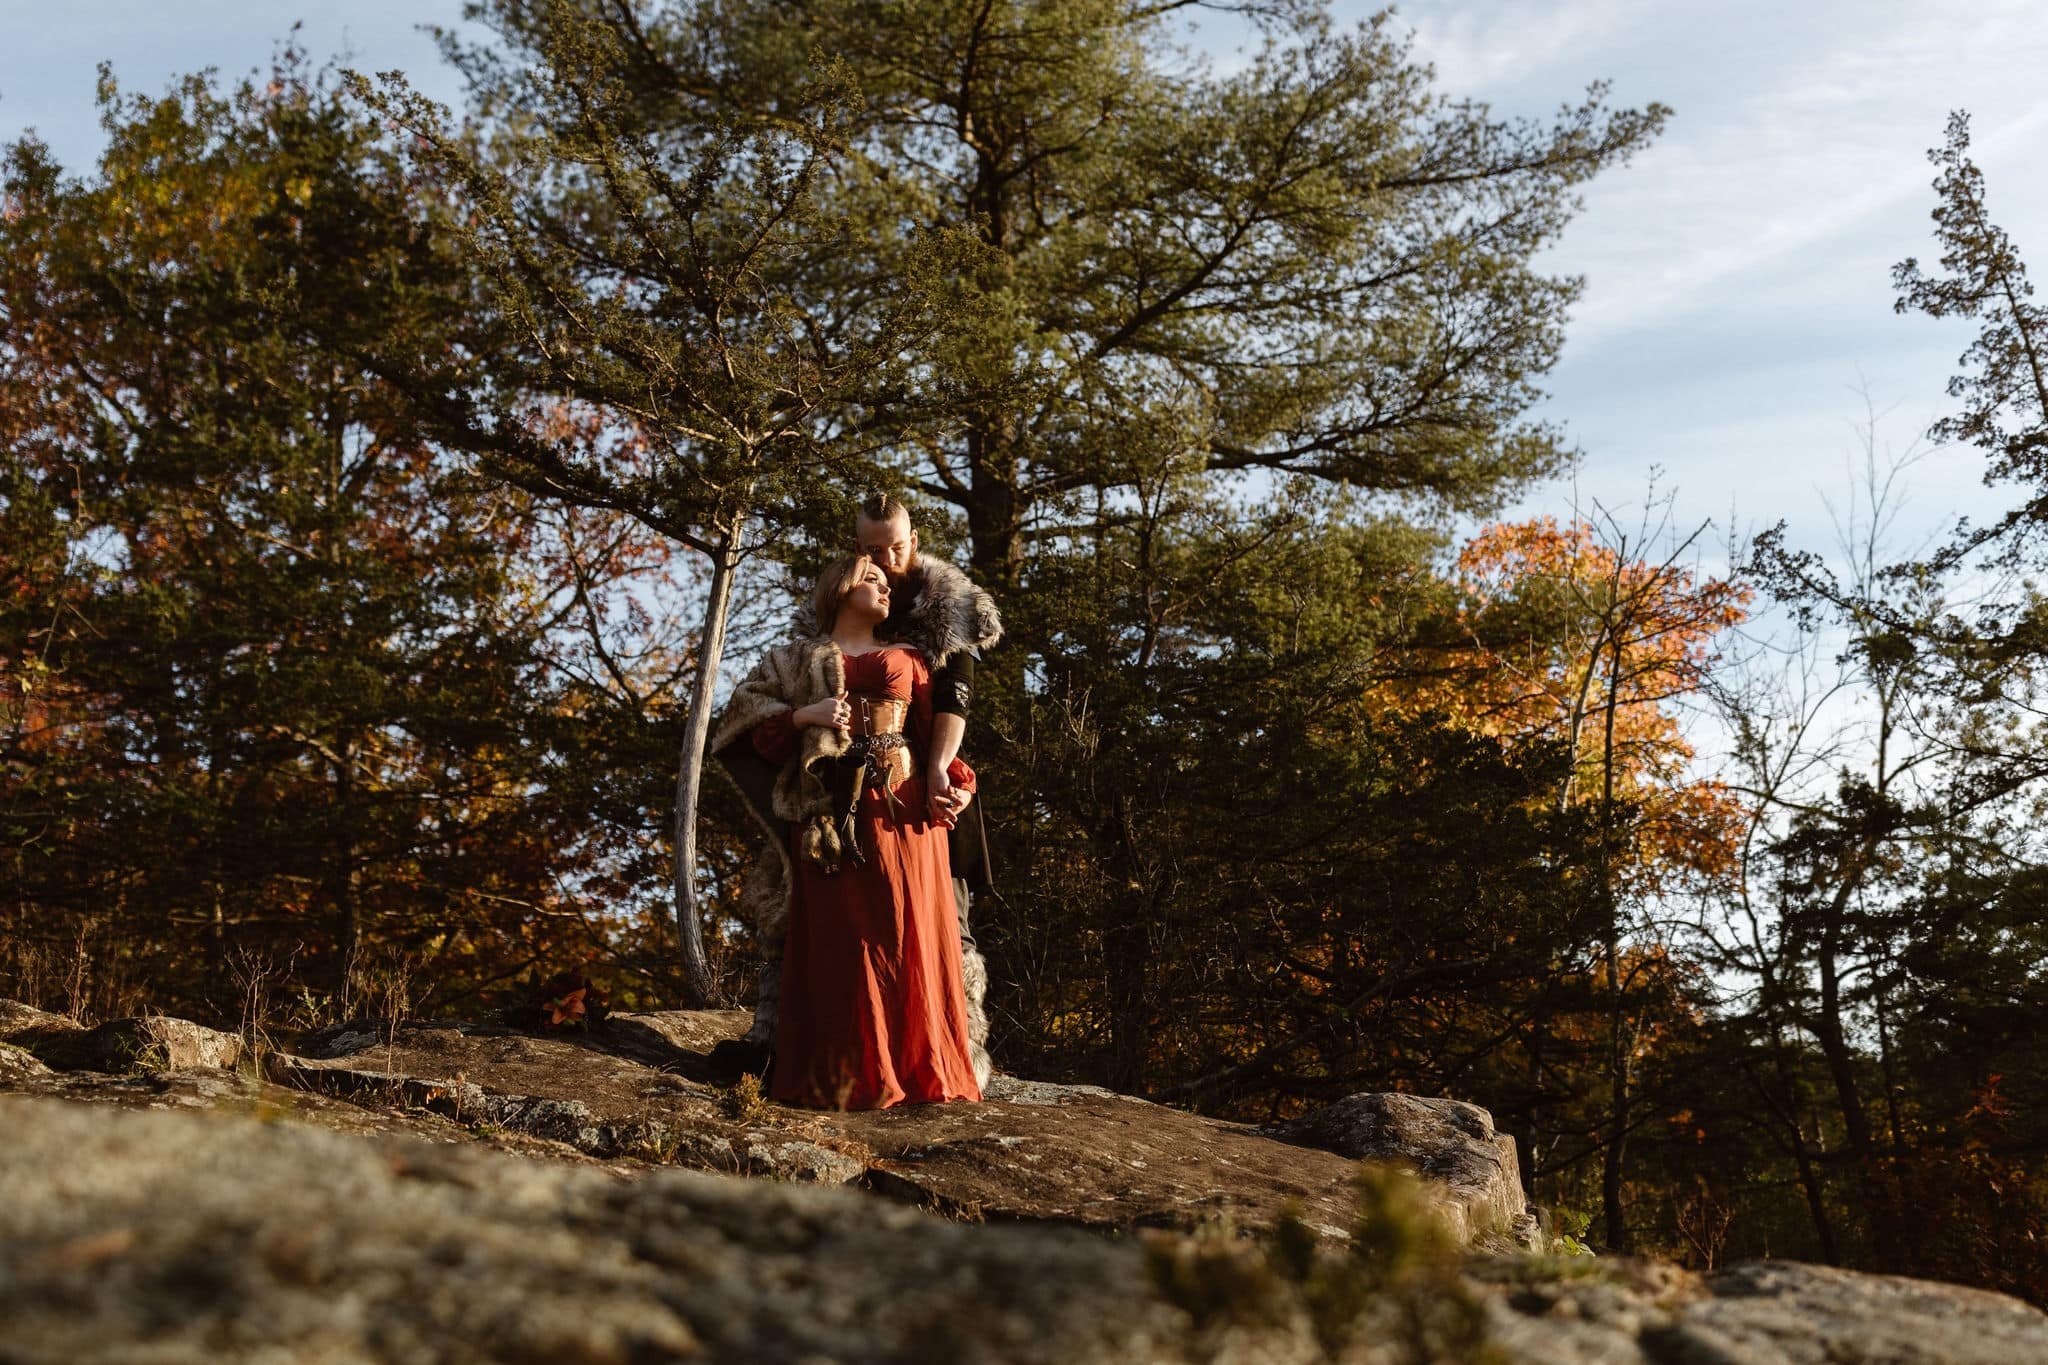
column 639, row 1090
column 348, row 1206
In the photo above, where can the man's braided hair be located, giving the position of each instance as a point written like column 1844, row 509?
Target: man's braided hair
column 881, row 507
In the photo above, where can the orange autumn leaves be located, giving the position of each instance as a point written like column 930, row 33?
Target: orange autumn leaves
column 1561, row 637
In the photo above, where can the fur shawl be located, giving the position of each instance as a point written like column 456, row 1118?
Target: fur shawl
column 947, row 615
column 787, row 677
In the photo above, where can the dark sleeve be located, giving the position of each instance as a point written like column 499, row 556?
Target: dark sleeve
column 775, row 738
column 953, row 686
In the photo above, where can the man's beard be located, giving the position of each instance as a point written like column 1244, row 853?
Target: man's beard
column 900, row 594
column 897, row 580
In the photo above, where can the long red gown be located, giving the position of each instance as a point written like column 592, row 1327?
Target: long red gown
column 873, row 1010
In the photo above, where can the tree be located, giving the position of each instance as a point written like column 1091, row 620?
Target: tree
column 1316, row 265
column 644, row 337
column 2005, row 412
column 1230, row 874
column 1624, row 637
column 1280, row 834
column 280, row 673
column 1956, row 685
column 1892, row 845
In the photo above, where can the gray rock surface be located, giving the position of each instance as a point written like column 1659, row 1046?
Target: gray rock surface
column 176, row 1236
column 222, row 1239
column 1816, row 1315
column 15, row 1016
column 147, row 1043
column 1469, row 1169
column 17, row 1065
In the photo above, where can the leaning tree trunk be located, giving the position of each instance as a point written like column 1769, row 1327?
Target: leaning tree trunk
column 700, row 988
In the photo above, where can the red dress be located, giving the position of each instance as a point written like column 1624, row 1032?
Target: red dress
column 873, row 1010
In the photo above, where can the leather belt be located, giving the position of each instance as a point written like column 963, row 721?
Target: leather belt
column 879, row 742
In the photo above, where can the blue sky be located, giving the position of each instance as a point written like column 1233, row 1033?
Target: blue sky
column 1738, row 273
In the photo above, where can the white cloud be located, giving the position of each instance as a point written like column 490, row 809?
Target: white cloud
column 1479, row 47
column 1776, row 158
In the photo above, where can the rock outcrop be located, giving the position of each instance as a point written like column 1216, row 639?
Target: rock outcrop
column 146, row 1043
column 18, row 1066
column 640, row 1089
column 229, row 1239
column 185, row 1236
column 453, row 1191
column 1469, row 1169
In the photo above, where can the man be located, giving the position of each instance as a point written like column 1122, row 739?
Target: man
column 937, row 608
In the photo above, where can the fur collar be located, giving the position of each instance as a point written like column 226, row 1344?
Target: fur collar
column 946, row 615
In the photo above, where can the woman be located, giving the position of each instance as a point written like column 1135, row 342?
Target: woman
column 873, row 1012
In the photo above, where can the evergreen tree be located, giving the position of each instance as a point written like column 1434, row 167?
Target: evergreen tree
column 278, row 677
column 1318, row 264
column 645, row 335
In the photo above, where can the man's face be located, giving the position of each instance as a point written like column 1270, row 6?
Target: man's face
column 891, row 544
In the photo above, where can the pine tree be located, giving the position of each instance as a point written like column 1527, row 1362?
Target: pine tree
column 645, row 336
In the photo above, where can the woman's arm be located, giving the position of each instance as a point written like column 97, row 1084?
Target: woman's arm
column 775, row 738
column 836, row 712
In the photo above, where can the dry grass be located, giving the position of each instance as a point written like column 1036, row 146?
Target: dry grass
column 1396, row 1285
column 744, row 1101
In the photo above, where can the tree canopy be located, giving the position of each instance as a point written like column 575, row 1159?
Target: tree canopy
column 384, row 485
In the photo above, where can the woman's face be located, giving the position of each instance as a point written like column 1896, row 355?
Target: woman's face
column 869, row 594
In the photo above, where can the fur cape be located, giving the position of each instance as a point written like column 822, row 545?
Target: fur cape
column 787, row 677
column 947, row 615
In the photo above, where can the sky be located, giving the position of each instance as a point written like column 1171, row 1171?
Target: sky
column 1738, row 300
column 1738, row 303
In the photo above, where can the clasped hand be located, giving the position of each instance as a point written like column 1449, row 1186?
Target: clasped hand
column 947, row 800
column 836, row 712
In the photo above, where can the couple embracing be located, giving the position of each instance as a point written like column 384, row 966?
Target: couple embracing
column 845, row 743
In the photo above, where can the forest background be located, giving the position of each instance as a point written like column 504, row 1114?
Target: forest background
column 378, row 482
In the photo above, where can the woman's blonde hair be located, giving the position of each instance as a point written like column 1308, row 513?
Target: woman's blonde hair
column 833, row 585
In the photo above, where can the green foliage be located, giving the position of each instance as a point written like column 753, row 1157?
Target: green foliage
column 1396, row 1285
column 1218, row 1279
column 743, row 1101
column 1569, row 1238
column 1314, row 265
column 1252, row 869
column 650, row 339
column 2005, row 411
column 283, row 679
column 1885, row 1056
column 1401, row 1251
